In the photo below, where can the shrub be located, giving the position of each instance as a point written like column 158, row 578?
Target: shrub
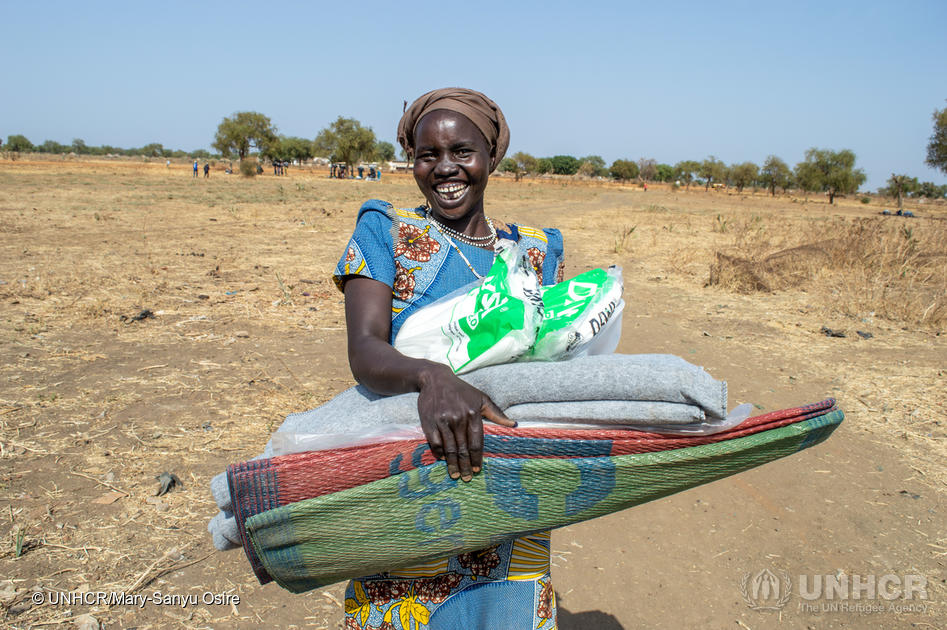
column 248, row 167
column 564, row 164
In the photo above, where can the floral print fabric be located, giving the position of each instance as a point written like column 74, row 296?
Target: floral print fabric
column 403, row 250
column 504, row 586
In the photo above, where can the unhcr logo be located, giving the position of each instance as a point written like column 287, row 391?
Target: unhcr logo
column 766, row 589
column 770, row 589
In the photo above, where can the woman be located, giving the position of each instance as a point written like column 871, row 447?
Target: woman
column 396, row 262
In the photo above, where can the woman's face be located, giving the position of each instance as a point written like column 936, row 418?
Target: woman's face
column 451, row 164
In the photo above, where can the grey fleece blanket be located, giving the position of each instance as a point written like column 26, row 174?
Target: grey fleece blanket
column 648, row 390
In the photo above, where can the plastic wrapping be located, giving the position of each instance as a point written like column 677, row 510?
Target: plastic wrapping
column 580, row 316
column 284, row 443
column 492, row 322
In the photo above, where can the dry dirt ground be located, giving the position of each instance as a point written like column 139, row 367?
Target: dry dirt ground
column 245, row 326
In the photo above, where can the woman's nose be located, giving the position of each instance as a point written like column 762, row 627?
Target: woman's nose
column 445, row 166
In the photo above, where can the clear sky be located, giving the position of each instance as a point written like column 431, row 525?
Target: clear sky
column 669, row 81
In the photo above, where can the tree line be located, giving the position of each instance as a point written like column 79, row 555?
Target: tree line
column 245, row 134
column 821, row 170
column 345, row 140
column 19, row 143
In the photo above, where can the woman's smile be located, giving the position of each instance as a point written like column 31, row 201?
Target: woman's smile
column 451, row 167
column 451, row 191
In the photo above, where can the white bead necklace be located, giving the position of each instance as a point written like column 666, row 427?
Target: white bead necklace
column 487, row 240
column 490, row 240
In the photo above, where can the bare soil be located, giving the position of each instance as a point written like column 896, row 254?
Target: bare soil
column 153, row 322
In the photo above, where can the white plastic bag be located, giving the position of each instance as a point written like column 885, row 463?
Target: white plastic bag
column 580, row 316
column 489, row 323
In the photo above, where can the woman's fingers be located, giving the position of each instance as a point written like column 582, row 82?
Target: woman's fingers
column 493, row 413
column 475, row 444
column 434, row 441
column 463, row 449
column 450, row 451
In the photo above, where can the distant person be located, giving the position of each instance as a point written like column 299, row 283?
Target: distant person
column 206, row 170
column 361, row 170
column 195, row 168
column 168, row 164
column 371, row 172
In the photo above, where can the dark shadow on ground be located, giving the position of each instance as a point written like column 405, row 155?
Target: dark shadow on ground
column 586, row 620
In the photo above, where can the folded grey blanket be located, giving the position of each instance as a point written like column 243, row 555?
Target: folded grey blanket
column 613, row 389
column 624, row 413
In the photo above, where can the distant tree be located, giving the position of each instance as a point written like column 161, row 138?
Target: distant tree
column 19, row 143
column 509, row 165
column 242, row 132
column 808, row 177
column 198, row 154
column 686, row 170
column 664, row 173
column 79, row 146
column 712, row 171
column 836, row 169
column 526, row 162
column 564, row 164
column 155, row 149
column 743, row 175
column 543, row 166
column 775, row 173
column 900, row 185
column 290, row 148
column 592, row 166
column 384, row 151
column 647, row 169
column 931, row 190
column 345, row 140
column 624, row 170
column 937, row 147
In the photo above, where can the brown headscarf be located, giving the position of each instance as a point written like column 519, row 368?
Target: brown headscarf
column 481, row 111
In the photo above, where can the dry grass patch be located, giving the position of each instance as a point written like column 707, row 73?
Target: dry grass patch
column 892, row 268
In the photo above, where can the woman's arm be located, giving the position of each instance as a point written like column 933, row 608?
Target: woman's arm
column 451, row 410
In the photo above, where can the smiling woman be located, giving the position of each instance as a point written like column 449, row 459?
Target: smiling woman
column 397, row 261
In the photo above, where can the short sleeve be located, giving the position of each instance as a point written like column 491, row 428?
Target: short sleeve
column 369, row 251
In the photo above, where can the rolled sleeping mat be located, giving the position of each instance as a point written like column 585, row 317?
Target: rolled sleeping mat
column 311, row 519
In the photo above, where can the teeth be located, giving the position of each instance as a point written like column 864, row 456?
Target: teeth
column 451, row 190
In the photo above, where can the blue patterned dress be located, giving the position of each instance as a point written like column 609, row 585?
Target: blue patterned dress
column 504, row 586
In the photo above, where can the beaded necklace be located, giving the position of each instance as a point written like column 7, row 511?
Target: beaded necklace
column 488, row 240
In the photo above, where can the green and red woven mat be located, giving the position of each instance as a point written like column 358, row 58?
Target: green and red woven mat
column 311, row 519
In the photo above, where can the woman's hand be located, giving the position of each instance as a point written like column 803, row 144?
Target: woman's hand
column 452, row 413
column 451, row 410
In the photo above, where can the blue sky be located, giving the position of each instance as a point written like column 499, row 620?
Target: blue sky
column 669, row 81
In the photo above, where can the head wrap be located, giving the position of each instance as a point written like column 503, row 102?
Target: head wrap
column 481, row 111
